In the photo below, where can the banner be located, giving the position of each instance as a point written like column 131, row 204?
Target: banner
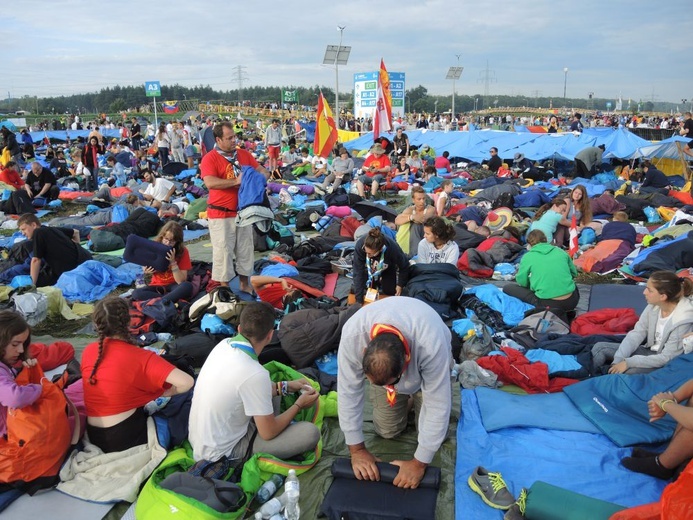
column 289, row 96
column 382, row 121
column 384, row 79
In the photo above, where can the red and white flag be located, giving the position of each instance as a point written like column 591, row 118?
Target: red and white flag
column 573, row 245
column 382, row 119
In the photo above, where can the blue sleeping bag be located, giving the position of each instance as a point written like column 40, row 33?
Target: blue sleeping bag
column 617, row 404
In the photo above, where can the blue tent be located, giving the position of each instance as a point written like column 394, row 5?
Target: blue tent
column 8, row 124
column 622, row 144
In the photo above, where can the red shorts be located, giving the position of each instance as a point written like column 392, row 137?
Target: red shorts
column 273, row 151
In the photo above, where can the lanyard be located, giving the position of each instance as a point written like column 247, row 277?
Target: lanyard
column 381, row 328
column 375, row 268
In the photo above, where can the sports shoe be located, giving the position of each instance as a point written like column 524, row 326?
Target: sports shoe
column 491, row 488
column 517, row 510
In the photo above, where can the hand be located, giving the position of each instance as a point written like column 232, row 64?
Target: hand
column 297, row 384
column 148, row 270
column 307, row 399
column 285, row 285
column 31, row 362
column 171, row 257
column 410, row 473
column 618, row 368
column 398, row 291
column 363, row 464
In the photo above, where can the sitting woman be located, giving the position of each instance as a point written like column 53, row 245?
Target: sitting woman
column 379, row 267
column 120, row 378
column 545, row 277
column 547, row 218
column 658, row 334
column 445, row 201
column 410, row 221
column 578, row 204
column 342, row 168
column 402, row 169
column 437, row 246
column 680, row 449
column 15, row 337
column 171, row 284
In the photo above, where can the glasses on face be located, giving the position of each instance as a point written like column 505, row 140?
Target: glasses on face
column 169, row 241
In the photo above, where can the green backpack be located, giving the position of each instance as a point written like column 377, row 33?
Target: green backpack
column 155, row 502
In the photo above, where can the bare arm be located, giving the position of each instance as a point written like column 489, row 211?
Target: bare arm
column 34, row 269
column 180, row 382
column 269, row 426
column 215, row 183
column 405, row 216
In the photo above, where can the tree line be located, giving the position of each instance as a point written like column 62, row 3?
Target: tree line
column 120, row 98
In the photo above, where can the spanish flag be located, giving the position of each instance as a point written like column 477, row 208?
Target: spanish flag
column 325, row 129
column 170, row 107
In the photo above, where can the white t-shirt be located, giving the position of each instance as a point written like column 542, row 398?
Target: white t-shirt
column 320, row 162
column 231, row 388
column 659, row 330
column 160, row 190
column 429, row 254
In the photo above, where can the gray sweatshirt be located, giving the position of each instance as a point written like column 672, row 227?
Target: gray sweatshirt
column 428, row 369
column 679, row 324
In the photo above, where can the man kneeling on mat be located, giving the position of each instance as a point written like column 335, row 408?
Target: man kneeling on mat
column 402, row 347
column 233, row 408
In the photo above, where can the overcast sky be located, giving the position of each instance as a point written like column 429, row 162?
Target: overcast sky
column 637, row 47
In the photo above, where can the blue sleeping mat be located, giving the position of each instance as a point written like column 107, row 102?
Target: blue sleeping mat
column 617, row 404
column 585, row 463
column 617, row 296
column 548, row 411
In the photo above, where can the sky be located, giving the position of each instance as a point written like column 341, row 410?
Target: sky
column 638, row 48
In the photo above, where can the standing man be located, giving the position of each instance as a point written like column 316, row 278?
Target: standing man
column 576, row 125
column 221, row 173
column 687, row 126
column 135, row 134
column 401, row 142
column 273, row 142
column 402, row 347
column 177, row 141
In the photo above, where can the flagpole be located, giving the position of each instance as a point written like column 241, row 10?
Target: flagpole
column 336, row 72
column 156, row 124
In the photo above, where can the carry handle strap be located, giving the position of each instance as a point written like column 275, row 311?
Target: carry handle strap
column 225, row 501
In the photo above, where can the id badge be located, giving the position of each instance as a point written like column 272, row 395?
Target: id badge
column 371, row 295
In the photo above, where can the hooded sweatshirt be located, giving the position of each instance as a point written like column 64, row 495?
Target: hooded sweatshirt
column 680, row 323
column 547, row 271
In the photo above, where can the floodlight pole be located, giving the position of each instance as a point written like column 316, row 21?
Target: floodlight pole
column 565, row 83
column 452, row 115
column 336, row 72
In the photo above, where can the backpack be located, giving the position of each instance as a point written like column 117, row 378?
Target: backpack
column 504, row 200
column 320, row 302
column 197, row 346
column 540, row 324
column 220, row 301
column 338, row 197
column 279, row 234
column 38, row 436
column 139, row 322
column 306, row 218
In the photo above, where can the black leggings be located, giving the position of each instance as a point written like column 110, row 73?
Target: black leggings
column 173, row 292
column 527, row 296
column 122, row 436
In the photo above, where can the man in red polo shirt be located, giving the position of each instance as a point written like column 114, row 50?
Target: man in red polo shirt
column 221, row 173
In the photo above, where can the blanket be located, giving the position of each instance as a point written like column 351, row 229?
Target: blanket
column 96, row 476
column 617, row 404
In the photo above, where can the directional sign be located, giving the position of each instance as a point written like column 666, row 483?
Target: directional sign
column 152, row 88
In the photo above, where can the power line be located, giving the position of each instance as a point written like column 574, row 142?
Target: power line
column 487, row 76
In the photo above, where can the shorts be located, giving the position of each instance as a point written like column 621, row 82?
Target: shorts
column 273, row 151
column 365, row 179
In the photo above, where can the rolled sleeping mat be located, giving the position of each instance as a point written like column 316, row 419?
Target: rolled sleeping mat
column 341, row 468
column 547, row 502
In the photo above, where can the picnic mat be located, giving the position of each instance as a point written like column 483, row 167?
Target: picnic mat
column 56, row 506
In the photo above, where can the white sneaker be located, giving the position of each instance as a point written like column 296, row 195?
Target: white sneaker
column 330, row 189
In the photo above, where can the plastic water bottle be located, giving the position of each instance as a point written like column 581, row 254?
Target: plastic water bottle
column 269, row 488
column 164, row 336
column 273, row 507
column 139, row 280
column 455, row 372
column 479, row 330
column 292, row 493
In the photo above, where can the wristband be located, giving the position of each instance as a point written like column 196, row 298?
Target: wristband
column 297, row 406
column 285, row 387
column 411, row 218
column 664, row 402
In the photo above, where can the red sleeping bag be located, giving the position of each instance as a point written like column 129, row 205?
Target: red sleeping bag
column 605, row 321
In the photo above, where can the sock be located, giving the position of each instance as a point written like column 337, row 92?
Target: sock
column 648, row 466
column 640, row 453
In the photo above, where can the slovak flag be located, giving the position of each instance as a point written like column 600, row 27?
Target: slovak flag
column 573, row 246
column 170, row 107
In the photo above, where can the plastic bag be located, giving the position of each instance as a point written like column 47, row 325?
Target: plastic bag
column 478, row 341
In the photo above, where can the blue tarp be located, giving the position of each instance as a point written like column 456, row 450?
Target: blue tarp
column 62, row 135
column 585, row 463
column 94, row 280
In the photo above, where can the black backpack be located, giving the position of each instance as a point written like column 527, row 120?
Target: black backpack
column 306, row 218
column 504, row 200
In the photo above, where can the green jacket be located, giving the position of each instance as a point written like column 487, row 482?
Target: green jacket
column 548, row 271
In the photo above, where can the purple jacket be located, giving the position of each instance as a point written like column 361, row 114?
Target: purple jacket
column 13, row 395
